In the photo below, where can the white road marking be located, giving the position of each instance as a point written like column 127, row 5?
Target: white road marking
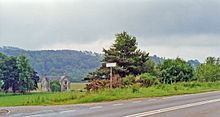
column 152, row 100
column 46, row 111
column 176, row 96
column 34, row 116
column 172, row 108
column 135, row 102
column 40, row 115
column 167, row 98
column 118, row 104
column 68, row 111
column 96, row 107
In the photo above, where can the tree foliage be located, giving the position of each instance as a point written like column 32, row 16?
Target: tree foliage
column 17, row 74
column 124, row 52
column 147, row 80
column 129, row 59
column 55, row 86
column 175, row 71
column 75, row 64
column 128, row 80
column 9, row 74
column 209, row 71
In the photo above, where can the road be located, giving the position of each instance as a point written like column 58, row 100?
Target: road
column 193, row 105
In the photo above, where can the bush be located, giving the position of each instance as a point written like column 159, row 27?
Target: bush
column 176, row 70
column 208, row 73
column 102, row 84
column 147, row 80
column 55, row 86
column 135, row 88
column 128, row 80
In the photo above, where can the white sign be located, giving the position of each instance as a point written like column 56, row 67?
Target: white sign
column 110, row 64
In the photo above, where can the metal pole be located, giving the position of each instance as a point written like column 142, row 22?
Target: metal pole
column 111, row 78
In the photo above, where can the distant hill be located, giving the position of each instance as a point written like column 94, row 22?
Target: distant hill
column 194, row 63
column 157, row 60
column 75, row 64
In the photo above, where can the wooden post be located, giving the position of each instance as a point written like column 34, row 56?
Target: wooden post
column 111, row 78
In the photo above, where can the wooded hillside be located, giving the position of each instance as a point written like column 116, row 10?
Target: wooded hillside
column 76, row 64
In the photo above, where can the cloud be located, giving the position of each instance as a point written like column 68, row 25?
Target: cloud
column 77, row 24
column 95, row 46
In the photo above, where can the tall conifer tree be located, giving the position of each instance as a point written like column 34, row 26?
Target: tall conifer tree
column 129, row 59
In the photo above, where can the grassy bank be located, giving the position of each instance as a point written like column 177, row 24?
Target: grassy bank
column 106, row 94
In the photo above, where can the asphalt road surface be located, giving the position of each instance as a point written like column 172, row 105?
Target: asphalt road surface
column 194, row 105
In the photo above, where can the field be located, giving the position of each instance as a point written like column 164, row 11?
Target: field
column 78, row 86
column 73, row 87
column 75, row 97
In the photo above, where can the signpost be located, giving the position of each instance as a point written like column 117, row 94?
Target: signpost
column 111, row 65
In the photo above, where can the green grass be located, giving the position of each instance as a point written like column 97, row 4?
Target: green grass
column 73, row 87
column 78, row 86
column 106, row 94
column 38, row 98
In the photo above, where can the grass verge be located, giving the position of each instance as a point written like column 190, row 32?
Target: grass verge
column 107, row 94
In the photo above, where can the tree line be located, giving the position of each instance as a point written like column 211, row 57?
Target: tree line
column 136, row 67
column 133, row 66
column 75, row 64
column 16, row 74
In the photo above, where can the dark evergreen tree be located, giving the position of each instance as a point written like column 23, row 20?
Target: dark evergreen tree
column 124, row 52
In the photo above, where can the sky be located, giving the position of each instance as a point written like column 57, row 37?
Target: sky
column 189, row 29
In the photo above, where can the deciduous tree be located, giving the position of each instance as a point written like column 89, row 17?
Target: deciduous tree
column 209, row 71
column 175, row 70
column 17, row 74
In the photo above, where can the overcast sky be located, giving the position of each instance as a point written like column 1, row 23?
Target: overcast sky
column 186, row 28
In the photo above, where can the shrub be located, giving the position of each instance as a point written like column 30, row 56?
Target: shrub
column 147, row 80
column 135, row 88
column 102, row 84
column 55, row 86
column 208, row 73
column 176, row 70
column 97, row 84
column 128, row 80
